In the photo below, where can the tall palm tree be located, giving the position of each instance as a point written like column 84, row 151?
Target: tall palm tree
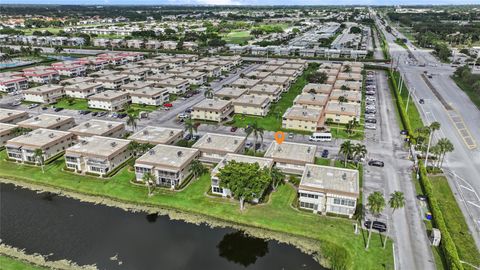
column 134, row 147
column 208, row 93
column 346, row 149
column 277, row 177
column 396, row 201
column 38, row 155
column 197, row 168
column 132, row 121
column 359, row 151
column 148, row 178
column 190, row 127
column 376, row 204
column 257, row 131
column 434, row 126
column 445, row 146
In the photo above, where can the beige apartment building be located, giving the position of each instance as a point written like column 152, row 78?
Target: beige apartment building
column 113, row 81
column 133, row 86
column 96, row 127
column 174, row 86
column 349, row 96
column 51, row 142
column 244, row 83
column 252, row 105
column 170, row 165
column 49, row 93
column 300, row 118
column 325, row 189
column 48, row 121
column 150, row 96
column 213, row 147
column 7, row 132
column 318, row 88
column 282, row 81
column 109, row 100
column 290, row 157
column 97, row 155
column 157, row 135
column 311, row 101
column 12, row 116
column 273, row 92
column 83, row 90
column 215, row 110
column 230, row 93
column 342, row 113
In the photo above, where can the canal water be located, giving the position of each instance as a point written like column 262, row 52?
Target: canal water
column 112, row 238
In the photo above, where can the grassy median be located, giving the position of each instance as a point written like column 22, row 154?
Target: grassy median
column 333, row 234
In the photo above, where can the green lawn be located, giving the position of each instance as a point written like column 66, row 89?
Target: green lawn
column 238, row 37
column 8, row 263
column 78, row 104
column 335, row 235
column 467, row 88
column 135, row 109
column 455, row 221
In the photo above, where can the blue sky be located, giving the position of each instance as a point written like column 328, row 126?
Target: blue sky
column 245, row 2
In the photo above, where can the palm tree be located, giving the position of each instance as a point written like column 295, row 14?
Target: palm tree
column 134, row 147
column 346, row 149
column 376, row 204
column 208, row 93
column 434, row 126
column 359, row 151
column 132, row 121
column 57, row 49
column 190, row 127
column 257, row 131
column 37, row 51
column 445, row 146
column 38, row 155
column 396, row 201
column 197, row 168
column 5, row 57
column 277, row 177
column 17, row 131
column 148, row 178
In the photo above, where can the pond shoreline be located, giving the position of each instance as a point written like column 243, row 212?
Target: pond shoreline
column 306, row 245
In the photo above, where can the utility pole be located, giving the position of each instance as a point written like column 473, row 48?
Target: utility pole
column 428, row 148
column 408, row 100
column 401, row 83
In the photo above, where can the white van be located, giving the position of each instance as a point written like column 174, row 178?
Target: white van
column 320, row 137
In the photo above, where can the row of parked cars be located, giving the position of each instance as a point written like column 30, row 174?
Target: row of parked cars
column 370, row 100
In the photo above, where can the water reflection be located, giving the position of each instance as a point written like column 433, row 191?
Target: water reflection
column 241, row 249
column 151, row 218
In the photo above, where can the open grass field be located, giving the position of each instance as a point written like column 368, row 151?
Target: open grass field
column 468, row 89
column 238, row 37
column 335, row 235
column 455, row 221
column 8, row 263
column 78, row 104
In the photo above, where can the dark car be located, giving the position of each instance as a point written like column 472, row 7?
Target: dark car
column 421, row 101
column 196, row 137
column 44, row 108
column 233, row 129
column 101, row 114
column 376, row 163
column 94, row 113
column 58, row 109
column 188, row 111
column 404, row 132
column 122, row 115
column 325, row 153
column 373, row 121
column 86, row 112
column 187, row 137
column 377, row 225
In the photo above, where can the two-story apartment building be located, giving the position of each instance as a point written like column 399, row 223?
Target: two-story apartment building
column 12, row 116
column 7, row 132
column 113, row 81
column 215, row 110
column 98, row 155
column 109, row 100
column 168, row 164
column 47, row 94
column 157, row 135
column 48, row 121
column 301, row 118
column 83, row 90
column 97, row 127
column 325, row 189
column 51, row 142
column 213, row 147
column 290, row 157
column 150, row 96
column 252, row 105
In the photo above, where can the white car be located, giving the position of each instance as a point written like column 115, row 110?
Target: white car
column 370, row 126
column 370, row 116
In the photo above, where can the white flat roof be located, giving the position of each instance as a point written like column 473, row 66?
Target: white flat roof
column 156, row 135
column 330, row 180
column 220, row 143
column 289, row 152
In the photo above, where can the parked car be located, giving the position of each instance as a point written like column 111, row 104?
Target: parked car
column 32, row 106
column 404, row 132
column 377, row 225
column 122, row 115
column 370, row 93
column 370, row 111
column 291, row 135
column 188, row 111
column 183, row 116
column 16, row 103
column 376, row 163
column 422, row 198
column 101, row 114
column 421, row 101
column 325, row 153
column 94, row 113
column 187, row 137
column 168, row 105
column 233, row 129
column 44, row 108
column 370, row 116
column 370, row 126
column 58, row 109
column 373, row 121
column 248, row 144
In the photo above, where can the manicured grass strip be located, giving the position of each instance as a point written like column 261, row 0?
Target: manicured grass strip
column 78, row 104
column 8, row 263
column 335, row 235
column 456, row 225
column 468, row 89
column 447, row 245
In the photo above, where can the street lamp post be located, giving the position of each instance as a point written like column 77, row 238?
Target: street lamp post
column 408, row 100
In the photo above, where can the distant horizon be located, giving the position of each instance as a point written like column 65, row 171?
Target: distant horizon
column 246, row 3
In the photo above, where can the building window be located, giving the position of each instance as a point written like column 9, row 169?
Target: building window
column 345, row 202
column 308, row 205
column 306, row 195
column 217, row 190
